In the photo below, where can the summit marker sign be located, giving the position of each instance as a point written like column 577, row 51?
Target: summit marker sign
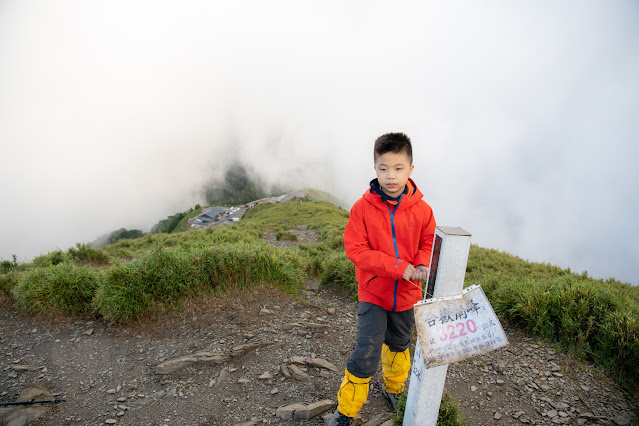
column 452, row 324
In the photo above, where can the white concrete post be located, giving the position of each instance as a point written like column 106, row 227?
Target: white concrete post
column 446, row 278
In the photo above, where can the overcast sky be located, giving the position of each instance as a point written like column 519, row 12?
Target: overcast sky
column 523, row 115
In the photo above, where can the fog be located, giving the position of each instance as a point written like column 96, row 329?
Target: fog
column 523, row 115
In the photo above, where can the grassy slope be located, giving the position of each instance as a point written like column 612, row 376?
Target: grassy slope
column 595, row 320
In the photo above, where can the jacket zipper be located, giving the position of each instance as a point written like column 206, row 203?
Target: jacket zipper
column 392, row 218
column 367, row 282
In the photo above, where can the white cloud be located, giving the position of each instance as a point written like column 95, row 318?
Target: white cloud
column 522, row 115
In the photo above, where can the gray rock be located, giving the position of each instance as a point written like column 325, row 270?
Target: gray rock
column 251, row 422
column 288, row 411
column 621, row 420
column 322, row 363
column 291, row 326
column 313, row 410
column 316, row 327
column 174, row 364
column 25, row 414
column 298, row 360
column 266, row 376
column 286, row 371
column 377, row 420
column 297, row 373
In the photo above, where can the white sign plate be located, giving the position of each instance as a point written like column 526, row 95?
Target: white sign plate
column 454, row 328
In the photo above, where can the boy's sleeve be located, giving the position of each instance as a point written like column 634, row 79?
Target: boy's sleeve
column 426, row 239
column 359, row 252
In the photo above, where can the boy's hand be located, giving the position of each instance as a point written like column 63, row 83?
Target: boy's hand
column 408, row 273
column 420, row 274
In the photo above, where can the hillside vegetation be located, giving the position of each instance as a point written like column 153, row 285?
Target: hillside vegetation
column 595, row 320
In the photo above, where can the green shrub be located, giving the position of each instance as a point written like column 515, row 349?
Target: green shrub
column 8, row 280
column 316, row 255
column 65, row 288
column 6, row 266
column 449, row 413
column 88, row 254
column 129, row 290
column 50, row 259
column 285, row 235
column 338, row 270
column 243, row 265
column 592, row 319
column 121, row 296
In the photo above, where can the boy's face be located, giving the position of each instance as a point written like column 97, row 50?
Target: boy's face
column 393, row 170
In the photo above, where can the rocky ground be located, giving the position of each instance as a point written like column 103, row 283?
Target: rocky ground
column 109, row 374
column 237, row 360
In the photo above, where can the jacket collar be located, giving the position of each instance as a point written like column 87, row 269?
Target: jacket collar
column 377, row 196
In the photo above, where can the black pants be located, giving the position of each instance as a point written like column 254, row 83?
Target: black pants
column 376, row 326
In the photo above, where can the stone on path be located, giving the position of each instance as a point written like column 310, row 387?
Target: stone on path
column 621, row 420
column 316, row 327
column 288, row 411
column 298, row 360
column 322, row 363
column 266, row 376
column 174, row 364
column 251, row 422
column 377, row 420
column 20, row 415
column 313, row 410
column 22, row 367
column 265, row 311
column 291, row 326
column 286, row 371
column 297, row 373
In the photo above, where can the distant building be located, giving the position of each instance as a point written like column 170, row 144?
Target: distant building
column 213, row 214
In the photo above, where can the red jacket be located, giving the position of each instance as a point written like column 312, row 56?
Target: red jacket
column 382, row 240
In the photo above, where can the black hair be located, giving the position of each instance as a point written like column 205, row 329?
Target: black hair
column 393, row 142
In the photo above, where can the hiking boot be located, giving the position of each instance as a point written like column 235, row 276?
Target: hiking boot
column 391, row 397
column 340, row 420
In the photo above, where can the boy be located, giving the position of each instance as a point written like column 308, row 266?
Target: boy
column 389, row 238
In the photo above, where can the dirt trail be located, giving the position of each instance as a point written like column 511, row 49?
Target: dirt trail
column 107, row 372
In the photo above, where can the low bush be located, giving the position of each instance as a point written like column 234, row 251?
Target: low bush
column 50, row 259
column 449, row 413
column 595, row 320
column 65, row 288
column 285, row 235
column 338, row 270
column 131, row 289
column 83, row 253
column 8, row 280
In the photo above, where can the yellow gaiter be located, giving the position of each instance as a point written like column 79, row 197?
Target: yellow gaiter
column 395, row 368
column 352, row 394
